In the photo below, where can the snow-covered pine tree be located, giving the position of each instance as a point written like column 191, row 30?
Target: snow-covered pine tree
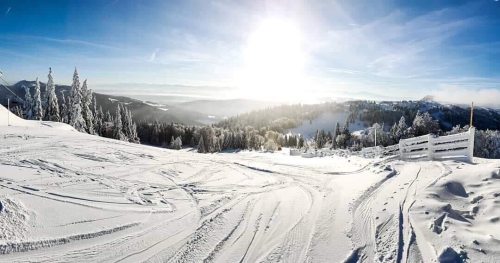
column 172, row 141
column 18, row 111
column 402, row 128
column 100, row 122
column 63, row 108
column 117, row 126
column 52, row 105
column 178, row 143
column 134, row 136
column 126, row 123
column 424, row 124
column 108, row 117
column 37, row 102
column 131, row 128
column 28, row 104
column 97, row 117
column 394, row 133
column 87, row 115
column 75, row 112
column 155, row 134
column 201, row 146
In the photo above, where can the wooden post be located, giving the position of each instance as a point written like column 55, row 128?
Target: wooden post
column 472, row 132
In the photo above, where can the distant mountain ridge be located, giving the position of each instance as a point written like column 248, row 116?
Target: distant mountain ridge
column 221, row 109
column 255, row 113
column 307, row 118
column 141, row 111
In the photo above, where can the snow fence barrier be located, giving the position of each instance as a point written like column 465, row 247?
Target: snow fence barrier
column 460, row 145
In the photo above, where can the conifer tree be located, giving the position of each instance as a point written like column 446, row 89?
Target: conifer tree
column 100, row 122
column 178, row 143
column 117, row 125
column 97, row 117
column 75, row 113
column 28, row 104
column 37, row 100
column 108, row 118
column 63, row 108
column 172, row 142
column 201, row 146
column 86, row 112
column 52, row 105
column 131, row 128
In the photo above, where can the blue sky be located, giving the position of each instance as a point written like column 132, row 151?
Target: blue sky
column 378, row 49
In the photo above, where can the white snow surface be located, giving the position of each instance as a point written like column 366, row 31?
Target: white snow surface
column 8, row 118
column 72, row 197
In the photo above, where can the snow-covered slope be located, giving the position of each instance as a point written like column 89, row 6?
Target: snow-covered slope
column 8, row 118
column 72, row 197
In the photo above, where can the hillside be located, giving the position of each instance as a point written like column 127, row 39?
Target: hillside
column 68, row 196
column 141, row 111
column 221, row 109
column 306, row 119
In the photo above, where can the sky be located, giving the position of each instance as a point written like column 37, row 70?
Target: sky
column 291, row 50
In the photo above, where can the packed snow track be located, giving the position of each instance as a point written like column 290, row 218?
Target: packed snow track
column 72, row 197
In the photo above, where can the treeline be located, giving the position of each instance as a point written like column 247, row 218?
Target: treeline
column 422, row 124
column 209, row 139
column 280, row 118
column 78, row 109
column 486, row 144
column 448, row 115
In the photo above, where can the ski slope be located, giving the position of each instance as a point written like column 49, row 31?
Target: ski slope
column 72, row 197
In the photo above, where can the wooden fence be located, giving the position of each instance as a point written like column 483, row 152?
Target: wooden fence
column 429, row 147
column 460, row 145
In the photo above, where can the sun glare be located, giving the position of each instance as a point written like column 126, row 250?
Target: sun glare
column 274, row 61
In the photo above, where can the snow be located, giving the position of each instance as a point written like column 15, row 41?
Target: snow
column 72, row 197
column 7, row 118
column 156, row 105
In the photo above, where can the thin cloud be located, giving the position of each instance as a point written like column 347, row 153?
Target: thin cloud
column 65, row 41
column 457, row 95
column 154, row 55
column 8, row 10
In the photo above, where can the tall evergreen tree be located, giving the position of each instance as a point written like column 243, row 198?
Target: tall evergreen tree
column 97, row 117
column 63, row 108
column 52, row 105
column 131, row 128
column 178, row 143
column 108, row 118
column 75, row 113
column 100, row 122
column 117, row 125
column 201, row 146
column 127, row 124
column 37, row 100
column 86, row 112
column 28, row 104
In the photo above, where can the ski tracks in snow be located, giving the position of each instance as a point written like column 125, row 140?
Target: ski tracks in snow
column 386, row 235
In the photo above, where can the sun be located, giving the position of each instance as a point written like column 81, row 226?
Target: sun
column 273, row 61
